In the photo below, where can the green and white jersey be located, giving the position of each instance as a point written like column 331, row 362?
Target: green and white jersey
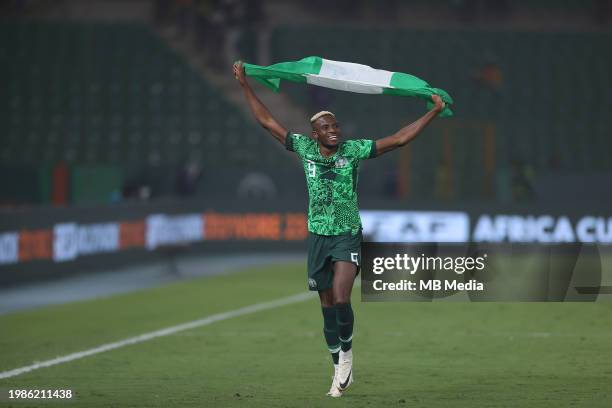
column 332, row 183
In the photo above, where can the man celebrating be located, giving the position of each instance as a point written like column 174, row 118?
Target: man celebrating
column 334, row 227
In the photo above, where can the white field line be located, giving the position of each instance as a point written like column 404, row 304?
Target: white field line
column 257, row 307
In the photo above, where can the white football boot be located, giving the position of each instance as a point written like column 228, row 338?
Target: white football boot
column 345, row 370
column 334, row 391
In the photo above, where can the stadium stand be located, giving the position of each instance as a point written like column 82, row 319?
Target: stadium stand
column 112, row 94
column 115, row 98
column 490, row 74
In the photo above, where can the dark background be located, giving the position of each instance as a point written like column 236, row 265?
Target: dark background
column 108, row 106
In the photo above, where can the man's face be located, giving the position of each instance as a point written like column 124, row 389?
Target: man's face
column 326, row 131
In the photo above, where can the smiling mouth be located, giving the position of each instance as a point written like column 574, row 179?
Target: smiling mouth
column 333, row 138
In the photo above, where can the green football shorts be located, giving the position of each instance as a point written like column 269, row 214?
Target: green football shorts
column 324, row 250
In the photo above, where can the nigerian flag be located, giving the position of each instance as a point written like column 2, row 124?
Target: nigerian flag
column 347, row 76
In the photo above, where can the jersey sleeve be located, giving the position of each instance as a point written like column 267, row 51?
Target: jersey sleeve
column 297, row 143
column 361, row 149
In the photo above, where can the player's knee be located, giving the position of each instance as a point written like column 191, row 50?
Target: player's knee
column 341, row 298
column 327, row 303
column 327, row 298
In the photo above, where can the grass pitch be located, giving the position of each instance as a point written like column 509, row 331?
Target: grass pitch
column 406, row 354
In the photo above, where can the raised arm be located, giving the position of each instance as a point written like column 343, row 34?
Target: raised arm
column 262, row 114
column 403, row 136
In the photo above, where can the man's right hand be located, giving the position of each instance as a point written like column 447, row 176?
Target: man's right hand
column 239, row 73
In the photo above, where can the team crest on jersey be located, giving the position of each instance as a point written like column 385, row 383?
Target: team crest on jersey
column 341, row 162
column 312, row 284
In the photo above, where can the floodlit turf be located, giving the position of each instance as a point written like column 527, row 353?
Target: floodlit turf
column 406, row 354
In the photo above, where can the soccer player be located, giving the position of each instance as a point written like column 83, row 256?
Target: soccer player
column 334, row 227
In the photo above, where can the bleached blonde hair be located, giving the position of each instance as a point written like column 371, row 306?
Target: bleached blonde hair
column 322, row 113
